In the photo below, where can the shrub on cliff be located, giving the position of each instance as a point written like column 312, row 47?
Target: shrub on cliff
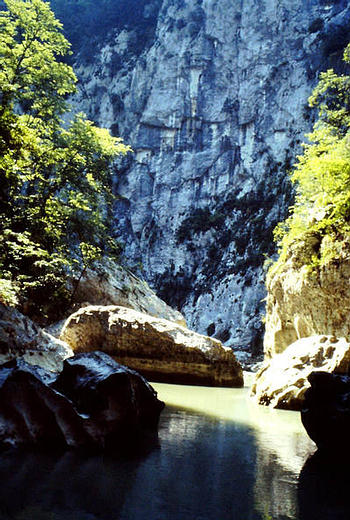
column 55, row 176
column 320, row 216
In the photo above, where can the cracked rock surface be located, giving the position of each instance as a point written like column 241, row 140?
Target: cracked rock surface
column 159, row 349
column 283, row 380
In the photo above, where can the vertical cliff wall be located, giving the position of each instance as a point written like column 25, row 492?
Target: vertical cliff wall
column 213, row 100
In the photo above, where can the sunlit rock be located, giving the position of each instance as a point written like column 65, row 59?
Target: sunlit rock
column 93, row 403
column 21, row 338
column 111, row 284
column 301, row 304
column 159, row 349
column 283, row 381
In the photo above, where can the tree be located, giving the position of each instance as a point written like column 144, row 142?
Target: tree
column 31, row 74
column 321, row 212
column 55, row 190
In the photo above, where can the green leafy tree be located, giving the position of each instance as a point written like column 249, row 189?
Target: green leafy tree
column 55, row 194
column 31, row 74
column 319, row 224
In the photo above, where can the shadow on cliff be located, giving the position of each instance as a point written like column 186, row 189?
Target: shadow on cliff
column 64, row 486
column 324, row 489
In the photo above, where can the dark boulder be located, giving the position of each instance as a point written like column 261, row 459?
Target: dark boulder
column 93, row 403
column 326, row 412
column 323, row 488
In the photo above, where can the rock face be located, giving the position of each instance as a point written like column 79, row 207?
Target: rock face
column 158, row 349
column 301, row 304
column 283, row 381
column 93, row 403
column 214, row 105
column 112, row 284
column 21, row 338
column 326, row 413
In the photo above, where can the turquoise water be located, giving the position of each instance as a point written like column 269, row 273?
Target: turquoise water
column 220, row 457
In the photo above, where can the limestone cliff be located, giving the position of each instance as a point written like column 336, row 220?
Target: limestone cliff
column 213, row 101
column 302, row 302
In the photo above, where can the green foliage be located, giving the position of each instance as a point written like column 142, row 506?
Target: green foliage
column 30, row 43
column 55, row 191
column 319, row 222
column 200, row 221
column 8, row 293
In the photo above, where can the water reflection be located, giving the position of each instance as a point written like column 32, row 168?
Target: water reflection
column 70, row 486
column 221, row 458
column 281, row 445
column 210, row 474
column 281, row 453
column 323, row 489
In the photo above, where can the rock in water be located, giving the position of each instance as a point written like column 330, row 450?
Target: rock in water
column 160, row 349
column 326, row 412
column 93, row 403
column 120, row 401
column 283, row 380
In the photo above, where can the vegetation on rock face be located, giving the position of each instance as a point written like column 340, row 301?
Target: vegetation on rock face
column 86, row 22
column 55, row 173
column 318, row 229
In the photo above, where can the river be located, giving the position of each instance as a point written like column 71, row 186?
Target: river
column 220, row 457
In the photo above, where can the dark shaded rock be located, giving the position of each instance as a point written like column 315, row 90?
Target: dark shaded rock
column 93, row 403
column 323, row 489
column 116, row 398
column 326, row 412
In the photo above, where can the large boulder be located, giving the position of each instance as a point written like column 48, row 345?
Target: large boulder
column 93, row 403
column 159, row 349
column 283, row 380
column 305, row 302
column 326, row 413
column 21, row 338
